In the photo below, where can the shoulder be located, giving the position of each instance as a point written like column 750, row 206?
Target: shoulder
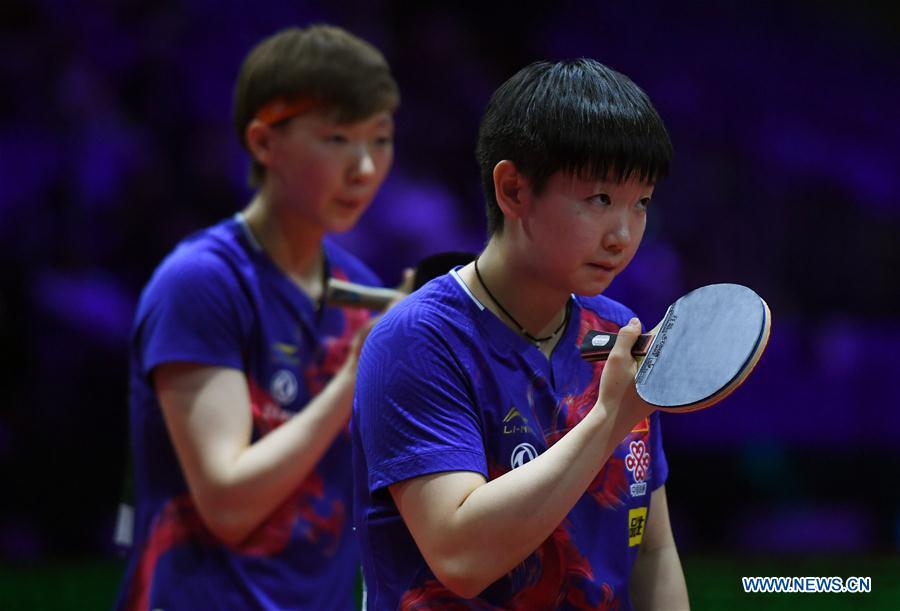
column 434, row 322
column 437, row 308
column 209, row 260
column 605, row 308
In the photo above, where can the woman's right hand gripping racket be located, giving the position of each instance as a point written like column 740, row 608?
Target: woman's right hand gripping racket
column 702, row 350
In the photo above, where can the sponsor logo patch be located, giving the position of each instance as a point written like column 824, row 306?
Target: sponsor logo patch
column 283, row 352
column 638, row 463
column 521, row 454
column 637, row 520
column 283, row 387
column 638, row 489
column 638, row 460
column 514, row 422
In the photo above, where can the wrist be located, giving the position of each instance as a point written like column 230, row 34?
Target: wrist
column 347, row 371
column 617, row 418
column 348, row 368
column 601, row 419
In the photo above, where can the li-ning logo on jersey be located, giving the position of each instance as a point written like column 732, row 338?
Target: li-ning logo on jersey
column 521, row 454
column 285, row 353
column 514, row 422
column 638, row 462
column 283, row 387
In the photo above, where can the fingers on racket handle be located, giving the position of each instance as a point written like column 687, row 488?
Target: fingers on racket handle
column 350, row 294
column 597, row 345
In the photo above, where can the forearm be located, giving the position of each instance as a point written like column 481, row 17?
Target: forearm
column 236, row 484
column 657, row 581
column 482, row 540
column 266, row 472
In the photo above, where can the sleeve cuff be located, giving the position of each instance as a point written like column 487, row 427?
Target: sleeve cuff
column 407, row 467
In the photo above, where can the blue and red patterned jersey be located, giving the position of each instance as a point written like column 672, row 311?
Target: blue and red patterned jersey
column 219, row 300
column 444, row 385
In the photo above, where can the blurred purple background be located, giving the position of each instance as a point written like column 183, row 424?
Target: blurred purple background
column 115, row 142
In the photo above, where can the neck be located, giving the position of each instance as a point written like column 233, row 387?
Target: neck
column 293, row 244
column 538, row 308
column 290, row 241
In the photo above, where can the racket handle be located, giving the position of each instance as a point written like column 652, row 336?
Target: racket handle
column 598, row 344
column 350, row 294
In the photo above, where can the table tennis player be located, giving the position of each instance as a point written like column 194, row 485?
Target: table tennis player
column 242, row 378
column 493, row 467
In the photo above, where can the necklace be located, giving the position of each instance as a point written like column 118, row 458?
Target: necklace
column 537, row 341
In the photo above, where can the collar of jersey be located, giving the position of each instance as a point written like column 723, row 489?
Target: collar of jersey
column 501, row 333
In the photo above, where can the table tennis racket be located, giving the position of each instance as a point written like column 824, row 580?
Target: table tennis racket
column 703, row 349
column 351, row 294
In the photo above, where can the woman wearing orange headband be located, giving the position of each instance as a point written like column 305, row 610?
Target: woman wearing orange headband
column 242, row 377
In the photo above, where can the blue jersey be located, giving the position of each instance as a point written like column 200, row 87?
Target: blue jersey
column 444, row 385
column 219, row 300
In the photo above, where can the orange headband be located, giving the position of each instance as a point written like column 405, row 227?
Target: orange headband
column 281, row 108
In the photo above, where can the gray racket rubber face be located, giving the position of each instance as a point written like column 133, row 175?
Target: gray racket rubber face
column 704, row 343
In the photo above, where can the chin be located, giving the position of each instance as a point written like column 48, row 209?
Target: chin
column 340, row 227
column 590, row 288
column 341, row 224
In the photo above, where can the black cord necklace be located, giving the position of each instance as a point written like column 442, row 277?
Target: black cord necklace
column 537, row 341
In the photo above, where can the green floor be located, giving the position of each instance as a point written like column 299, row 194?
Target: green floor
column 714, row 583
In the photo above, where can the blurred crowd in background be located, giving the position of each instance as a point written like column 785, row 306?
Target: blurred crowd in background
column 116, row 142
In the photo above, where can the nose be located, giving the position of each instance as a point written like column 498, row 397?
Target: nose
column 363, row 167
column 617, row 235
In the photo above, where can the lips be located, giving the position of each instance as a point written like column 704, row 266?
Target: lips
column 607, row 267
column 350, row 204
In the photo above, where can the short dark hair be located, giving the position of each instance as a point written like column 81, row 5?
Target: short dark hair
column 578, row 116
column 344, row 74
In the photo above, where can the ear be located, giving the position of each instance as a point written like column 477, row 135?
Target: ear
column 259, row 138
column 512, row 189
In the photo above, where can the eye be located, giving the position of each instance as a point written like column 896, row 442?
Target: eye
column 600, row 199
column 384, row 141
column 644, row 203
column 336, row 138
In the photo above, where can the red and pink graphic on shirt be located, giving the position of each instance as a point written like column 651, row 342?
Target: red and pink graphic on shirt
column 556, row 585
column 610, row 487
column 335, row 349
